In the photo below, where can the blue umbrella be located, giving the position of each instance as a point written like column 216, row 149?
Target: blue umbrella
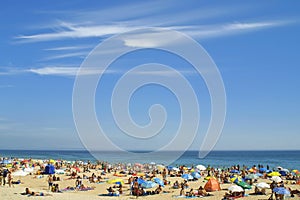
column 234, row 171
column 159, row 181
column 187, row 177
column 196, row 175
column 281, row 190
column 262, row 169
column 283, row 173
column 259, row 174
column 140, row 180
column 148, row 184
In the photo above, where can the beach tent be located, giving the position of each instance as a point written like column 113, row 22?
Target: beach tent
column 49, row 169
column 212, row 185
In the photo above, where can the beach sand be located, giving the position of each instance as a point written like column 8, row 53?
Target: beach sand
column 41, row 185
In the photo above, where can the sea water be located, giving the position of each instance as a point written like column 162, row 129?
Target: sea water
column 286, row 159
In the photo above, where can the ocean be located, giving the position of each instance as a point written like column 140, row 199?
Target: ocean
column 220, row 159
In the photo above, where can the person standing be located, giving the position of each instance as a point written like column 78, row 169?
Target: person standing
column 50, row 182
column 1, row 177
column 4, row 176
column 9, row 179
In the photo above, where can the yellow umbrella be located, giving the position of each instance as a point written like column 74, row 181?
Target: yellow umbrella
column 140, row 174
column 208, row 177
column 274, row 174
column 116, row 181
column 51, row 161
column 236, row 179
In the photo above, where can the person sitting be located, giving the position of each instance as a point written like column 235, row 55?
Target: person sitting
column 202, row 191
column 158, row 190
column 190, row 193
column 176, row 185
column 181, row 193
column 111, row 191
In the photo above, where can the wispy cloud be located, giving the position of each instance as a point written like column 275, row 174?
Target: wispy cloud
column 75, row 31
column 66, row 71
column 68, row 48
column 200, row 31
column 67, row 55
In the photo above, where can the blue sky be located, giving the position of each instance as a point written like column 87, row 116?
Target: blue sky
column 255, row 45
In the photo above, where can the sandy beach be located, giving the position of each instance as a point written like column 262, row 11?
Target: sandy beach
column 38, row 183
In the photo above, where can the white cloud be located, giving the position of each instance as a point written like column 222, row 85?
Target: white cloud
column 67, row 55
column 67, row 48
column 75, row 31
column 66, row 71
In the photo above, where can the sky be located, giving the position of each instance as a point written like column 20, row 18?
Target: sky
column 254, row 44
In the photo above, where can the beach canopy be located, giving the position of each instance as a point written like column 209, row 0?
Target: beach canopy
column 148, row 184
column 235, row 188
column 49, row 169
column 196, row 175
column 187, row 177
column 262, row 185
column 212, row 185
column 158, row 181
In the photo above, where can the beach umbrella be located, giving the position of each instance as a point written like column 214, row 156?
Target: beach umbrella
column 281, row 190
column 140, row 180
column 286, row 170
column 196, row 175
column 252, row 176
column 207, row 178
column 252, row 170
column 59, row 171
column 295, row 171
column 28, row 169
column 274, row 174
column 259, row 174
column 235, row 188
column 236, row 179
column 116, row 181
column 277, row 179
column 262, row 169
column 20, row 173
column 176, row 169
column 159, row 181
column 201, row 167
column 187, row 177
column 262, row 185
column 160, row 167
column 244, row 185
column 283, row 173
column 234, row 171
column 148, row 184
